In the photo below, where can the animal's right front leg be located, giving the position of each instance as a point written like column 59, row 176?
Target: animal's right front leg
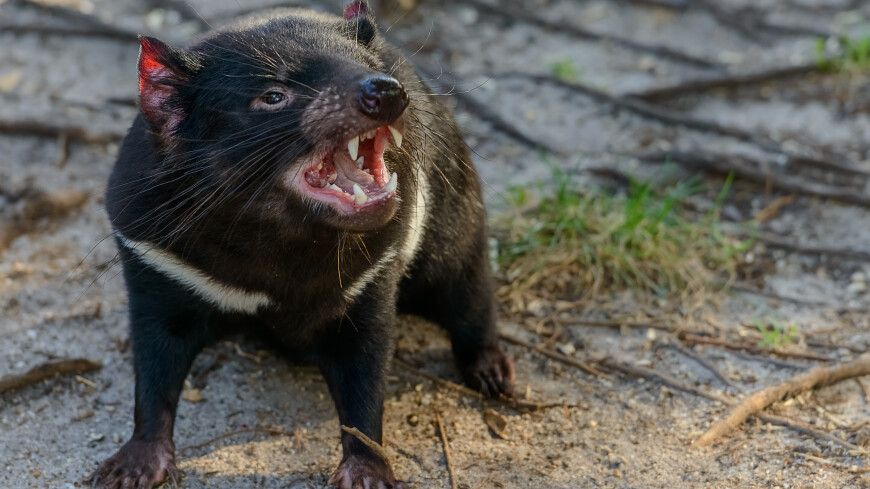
column 167, row 332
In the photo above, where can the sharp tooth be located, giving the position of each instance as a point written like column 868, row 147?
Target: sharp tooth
column 335, row 187
column 397, row 136
column 359, row 197
column 353, row 148
column 360, row 162
column 391, row 185
column 320, row 166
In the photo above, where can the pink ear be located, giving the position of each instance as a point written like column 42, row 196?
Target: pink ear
column 158, row 78
column 356, row 9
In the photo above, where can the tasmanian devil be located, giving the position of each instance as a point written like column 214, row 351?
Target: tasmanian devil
column 293, row 174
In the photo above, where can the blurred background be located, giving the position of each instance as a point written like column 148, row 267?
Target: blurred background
column 678, row 193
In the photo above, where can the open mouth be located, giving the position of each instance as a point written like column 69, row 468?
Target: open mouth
column 354, row 176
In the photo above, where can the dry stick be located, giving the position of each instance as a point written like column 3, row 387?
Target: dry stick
column 506, row 11
column 804, row 249
column 270, row 431
column 619, row 324
column 694, row 339
column 802, row 427
column 664, row 379
column 512, row 403
column 88, row 25
column 75, row 366
column 729, row 164
column 51, row 30
column 704, row 363
column 772, row 361
column 583, row 366
column 668, row 116
column 726, row 81
column 816, row 377
column 373, row 445
column 49, row 130
column 747, row 21
column 727, row 400
column 447, row 455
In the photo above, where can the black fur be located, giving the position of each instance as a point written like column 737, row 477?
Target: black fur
column 202, row 175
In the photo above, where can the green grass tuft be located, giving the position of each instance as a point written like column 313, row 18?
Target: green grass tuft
column 847, row 54
column 775, row 335
column 568, row 241
column 565, row 71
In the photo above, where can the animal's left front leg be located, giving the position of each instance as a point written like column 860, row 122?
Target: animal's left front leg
column 354, row 363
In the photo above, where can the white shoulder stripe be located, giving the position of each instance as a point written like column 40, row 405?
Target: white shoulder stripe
column 417, row 222
column 226, row 297
column 357, row 287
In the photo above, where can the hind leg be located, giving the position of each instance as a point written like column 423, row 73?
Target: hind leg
column 462, row 304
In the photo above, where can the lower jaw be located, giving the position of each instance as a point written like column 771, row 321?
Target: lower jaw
column 369, row 218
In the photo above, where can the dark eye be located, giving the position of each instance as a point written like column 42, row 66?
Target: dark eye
column 273, row 98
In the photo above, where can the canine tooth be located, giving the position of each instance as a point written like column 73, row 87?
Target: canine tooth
column 359, row 197
column 320, row 166
column 391, row 185
column 397, row 136
column 353, row 148
column 360, row 162
column 335, row 187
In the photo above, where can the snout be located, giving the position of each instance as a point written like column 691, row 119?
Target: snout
column 382, row 98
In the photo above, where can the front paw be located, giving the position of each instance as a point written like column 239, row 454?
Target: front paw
column 357, row 472
column 491, row 372
column 139, row 465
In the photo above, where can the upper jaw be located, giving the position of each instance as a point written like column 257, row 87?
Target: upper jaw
column 351, row 176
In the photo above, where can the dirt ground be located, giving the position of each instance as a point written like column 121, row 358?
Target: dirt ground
column 62, row 297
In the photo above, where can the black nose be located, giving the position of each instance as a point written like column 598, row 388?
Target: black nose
column 382, row 98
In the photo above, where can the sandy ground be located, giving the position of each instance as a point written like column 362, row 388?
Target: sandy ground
column 61, row 296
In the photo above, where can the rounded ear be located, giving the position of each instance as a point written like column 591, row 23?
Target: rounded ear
column 362, row 21
column 163, row 70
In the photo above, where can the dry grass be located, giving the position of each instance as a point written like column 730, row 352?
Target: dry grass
column 573, row 243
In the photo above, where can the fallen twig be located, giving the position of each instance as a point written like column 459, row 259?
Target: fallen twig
column 506, row 11
column 521, row 406
column 773, row 361
column 794, row 246
column 87, row 25
column 447, row 454
column 743, row 169
column 694, row 339
column 704, row 363
column 49, row 130
column 269, row 431
column 806, row 429
column 373, row 445
column 724, row 82
column 816, row 377
column 616, row 324
column 668, row 116
column 664, row 379
column 105, row 32
column 583, row 366
column 75, row 366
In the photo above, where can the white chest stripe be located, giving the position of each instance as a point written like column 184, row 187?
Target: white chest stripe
column 226, row 297
column 417, row 224
column 416, row 227
column 356, row 289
